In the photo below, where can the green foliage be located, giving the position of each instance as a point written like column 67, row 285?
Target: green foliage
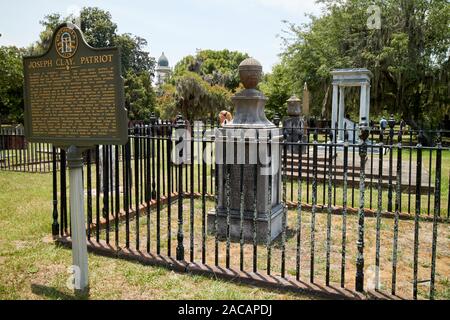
column 215, row 67
column 134, row 56
column 99, row 31
column 11, row 84
column 201, row 85
column 166, row 102
column 409, row 56
column 193, row 97
column 278, row 89
column 188, row 63
column 197, row 99
column 49, row 23
column 98, row 27
column 140, row 97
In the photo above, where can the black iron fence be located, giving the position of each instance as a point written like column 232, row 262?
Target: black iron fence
column 361, row 210
column 17, row 154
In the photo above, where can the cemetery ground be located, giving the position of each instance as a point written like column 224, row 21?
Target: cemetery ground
column 33, row 267
column 405, row 248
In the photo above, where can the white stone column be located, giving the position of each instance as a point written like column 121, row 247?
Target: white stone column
column 341, row 114
column 368, row 103
column 363, row 103
column 334, row 111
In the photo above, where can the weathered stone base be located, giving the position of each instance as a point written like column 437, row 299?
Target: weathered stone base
column 262, row 225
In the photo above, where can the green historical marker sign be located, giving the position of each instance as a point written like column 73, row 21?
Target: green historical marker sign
column 74, row 93
column 74, row 99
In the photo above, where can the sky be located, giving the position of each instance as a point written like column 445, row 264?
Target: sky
column 178, row 28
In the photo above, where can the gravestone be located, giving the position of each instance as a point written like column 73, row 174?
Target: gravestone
column 260, row 177
column 74, row 99
column 294, row 126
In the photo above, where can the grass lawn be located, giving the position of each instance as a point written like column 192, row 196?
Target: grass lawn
column 404, row 254
column 32, row 267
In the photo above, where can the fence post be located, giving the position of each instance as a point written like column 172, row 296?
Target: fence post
column 169, row 189
column 344, row 206
column 136, row 182
column 398, row 207
column 97, row 193
column 437, row 213
column 284, row 218
column 364, row 134
column 105, row 190
column 152, row 134
column 216, row 192
column 379, row 210
column 417, row 215
column 157, row 136
column 191, row 182
column 353, row 164
column 314, row 208
column 410, row 171
column 242, row 141
column 55, row 225
column 117, row 204
column 63, row 202
column 391, row 123
column 299, row 202
column 204, row 191
column 226, row 171
column 180, row 234
column 329, row 208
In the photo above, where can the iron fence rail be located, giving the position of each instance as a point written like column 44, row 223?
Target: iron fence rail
column 17, row 154
column 138, row 198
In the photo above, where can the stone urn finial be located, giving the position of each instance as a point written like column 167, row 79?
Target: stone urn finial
column 249, row 103
column 250, row 72
column 294, row 106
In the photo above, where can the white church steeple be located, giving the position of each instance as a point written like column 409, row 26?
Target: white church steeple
column 163, row 70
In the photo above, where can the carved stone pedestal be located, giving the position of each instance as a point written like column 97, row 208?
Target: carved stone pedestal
column 248, row 157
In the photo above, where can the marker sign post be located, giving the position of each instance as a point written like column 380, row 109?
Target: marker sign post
column 74, row 99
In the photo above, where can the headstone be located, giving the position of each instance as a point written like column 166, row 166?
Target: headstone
column 249, row 121
column 294, row 126
column 350, row 125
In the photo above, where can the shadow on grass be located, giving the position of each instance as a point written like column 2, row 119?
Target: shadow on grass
column 54, row 294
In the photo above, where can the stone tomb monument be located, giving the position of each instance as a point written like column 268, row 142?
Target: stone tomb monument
column 343, row 78
column 264, row 174
column 294, row 125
